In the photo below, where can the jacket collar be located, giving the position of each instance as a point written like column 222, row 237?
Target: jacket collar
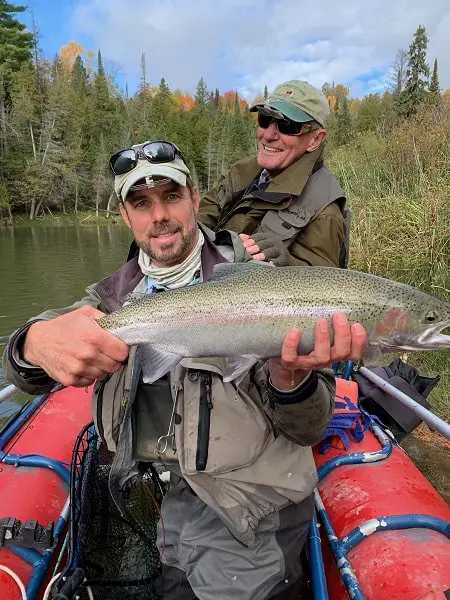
column 289, row 182
column 293, row 179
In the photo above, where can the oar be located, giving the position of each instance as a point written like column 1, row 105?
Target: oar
column 7, row 392
column 423, row 413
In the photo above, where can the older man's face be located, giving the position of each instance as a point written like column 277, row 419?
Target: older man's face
column 277, row 151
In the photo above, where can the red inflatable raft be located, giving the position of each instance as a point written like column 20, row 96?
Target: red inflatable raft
column 387, row 526
column 43, row 434
column 394, row 525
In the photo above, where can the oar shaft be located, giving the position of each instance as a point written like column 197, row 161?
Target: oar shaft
column 426, row 415
column 7, row 392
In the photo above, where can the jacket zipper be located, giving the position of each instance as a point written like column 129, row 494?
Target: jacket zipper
column 204, row 422
column 100, row 428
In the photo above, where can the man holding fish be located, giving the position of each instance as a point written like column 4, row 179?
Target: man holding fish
column 232, row 358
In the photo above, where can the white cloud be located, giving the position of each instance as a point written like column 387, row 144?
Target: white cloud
column 247, row 44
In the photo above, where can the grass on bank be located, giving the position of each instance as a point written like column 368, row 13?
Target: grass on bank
column 398, row 187
column 60, row 219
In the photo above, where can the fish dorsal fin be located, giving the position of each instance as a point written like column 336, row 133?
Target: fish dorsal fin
column 227, row 270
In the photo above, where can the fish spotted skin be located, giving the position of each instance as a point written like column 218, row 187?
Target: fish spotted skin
column 247, row 308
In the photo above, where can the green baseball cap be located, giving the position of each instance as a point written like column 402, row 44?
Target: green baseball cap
column 176, row 170
column 297, row 100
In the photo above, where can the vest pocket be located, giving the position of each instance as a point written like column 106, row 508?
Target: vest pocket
column 204, row 421
column 218, row 420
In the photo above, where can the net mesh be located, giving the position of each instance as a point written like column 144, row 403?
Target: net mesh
column 116, row 552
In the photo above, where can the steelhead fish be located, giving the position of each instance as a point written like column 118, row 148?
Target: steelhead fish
column 244, row 311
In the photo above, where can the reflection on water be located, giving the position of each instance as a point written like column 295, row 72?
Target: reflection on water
column 8, row 408
column 50, row 266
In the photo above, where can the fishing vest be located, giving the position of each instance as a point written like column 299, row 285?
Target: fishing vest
column 321, row 190
column 241, row 481
column 317, row 188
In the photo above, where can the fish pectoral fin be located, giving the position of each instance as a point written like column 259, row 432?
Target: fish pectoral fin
column 237, row 367
column 373, row 354
column 227, row 270
column 156, row 363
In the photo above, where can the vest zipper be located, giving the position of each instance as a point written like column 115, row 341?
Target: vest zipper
column 100, row 428
column 204, row 422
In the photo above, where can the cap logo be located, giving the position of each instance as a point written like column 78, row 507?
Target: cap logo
column 289, row 92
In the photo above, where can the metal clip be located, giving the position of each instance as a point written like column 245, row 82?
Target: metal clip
column 169, row 439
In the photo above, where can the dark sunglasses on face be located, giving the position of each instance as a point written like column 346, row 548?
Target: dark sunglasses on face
column 157, row 152
column 284, row 126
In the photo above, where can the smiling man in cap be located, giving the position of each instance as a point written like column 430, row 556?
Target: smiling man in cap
column 285, row 201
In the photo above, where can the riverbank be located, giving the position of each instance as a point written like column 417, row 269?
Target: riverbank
column 61, row 219
column 429, row 451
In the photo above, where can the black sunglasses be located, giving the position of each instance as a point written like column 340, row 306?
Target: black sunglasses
column 157, row 152
column 284, row 126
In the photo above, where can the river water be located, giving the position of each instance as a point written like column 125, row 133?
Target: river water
column 50, row 266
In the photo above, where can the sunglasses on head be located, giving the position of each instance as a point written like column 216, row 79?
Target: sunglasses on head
column 125, row 160
column 285, row 126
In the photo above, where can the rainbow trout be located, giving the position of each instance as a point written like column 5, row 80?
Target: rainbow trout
column 244, row 311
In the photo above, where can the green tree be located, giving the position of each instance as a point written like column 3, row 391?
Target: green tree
column 266, row 93
column 344, row 125
column 216, row 101
column 15, row 49
column 417, row 73
column 79, row 77
column 435, row 89
column 369, row 113
column 201, row 96
column 16, row 42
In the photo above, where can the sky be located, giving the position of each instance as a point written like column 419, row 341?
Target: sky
column 244, row 45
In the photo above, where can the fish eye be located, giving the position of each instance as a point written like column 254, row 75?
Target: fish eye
column 431, row 316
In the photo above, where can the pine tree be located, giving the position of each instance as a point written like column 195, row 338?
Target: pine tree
column 79, row 76
column 435, row 90
column 101, row 98
column 216, row 102
column 201, row 96
column 417, row 73
column 16, row 43
column 163, row 87
column 15, row 49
